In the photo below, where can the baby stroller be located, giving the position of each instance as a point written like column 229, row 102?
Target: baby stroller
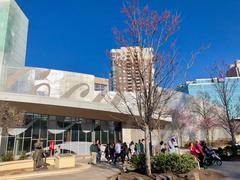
column 211, row 157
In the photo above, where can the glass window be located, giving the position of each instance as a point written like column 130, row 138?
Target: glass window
column 28, row 132
column 75, row 128
column 43, row 133
column 28, row 118
column 59, row 142
column 36, row 128
column 51, row 136
column 89, row 137
column 60, row 121
column 11, row 140
column 100, row 87
column 82, row 136
column 104, row 139
column 118, row 135
column 111, row 137
column 59, row 136
column 87, row 125
column 67, row 136
column 67, row 121
column 26, row 144
column 97, row 125
column 19, row 145
column 20, row 135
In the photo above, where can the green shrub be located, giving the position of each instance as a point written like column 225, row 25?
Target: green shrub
column 187, row 163
column 138, row 161
column 167, row 162
column 174, row 162
column 7, row 157
column 23, row 156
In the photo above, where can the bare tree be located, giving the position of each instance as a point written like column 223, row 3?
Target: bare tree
column 10, row 117
column 228, row 100
column 151, row 64
column 205, row 110
column 180, row 120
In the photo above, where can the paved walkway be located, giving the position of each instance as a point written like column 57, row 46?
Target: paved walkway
column 93, row 173
column 230, row 169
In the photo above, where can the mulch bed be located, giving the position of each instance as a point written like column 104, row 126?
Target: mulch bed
column 203, row 175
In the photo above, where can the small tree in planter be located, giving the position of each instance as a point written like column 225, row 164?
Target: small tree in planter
column 151, row 56
column 10, row 117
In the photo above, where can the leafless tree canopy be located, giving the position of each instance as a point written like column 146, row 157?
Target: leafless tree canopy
column 203, row 107
column 151, row 59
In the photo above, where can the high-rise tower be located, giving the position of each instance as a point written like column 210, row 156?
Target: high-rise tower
column 128, row 66
column 13, row 35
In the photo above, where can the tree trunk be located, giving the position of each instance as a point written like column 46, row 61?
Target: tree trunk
column 147, row 151
column 150, row 143
column 232, row 133
column 180, row 139
column 233, row 137
column 207, row 135
column 3, row 141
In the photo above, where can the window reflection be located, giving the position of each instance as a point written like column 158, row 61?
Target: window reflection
column 62, row 130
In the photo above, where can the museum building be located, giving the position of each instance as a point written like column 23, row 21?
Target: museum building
column 67, row 108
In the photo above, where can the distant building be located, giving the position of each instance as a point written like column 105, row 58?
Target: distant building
column 209, row 86
column 101, row 84
column 234, row 69
column 125, row 68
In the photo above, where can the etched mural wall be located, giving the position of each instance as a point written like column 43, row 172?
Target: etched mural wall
column 52, row 83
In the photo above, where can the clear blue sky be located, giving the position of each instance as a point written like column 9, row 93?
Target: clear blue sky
column 74, row 35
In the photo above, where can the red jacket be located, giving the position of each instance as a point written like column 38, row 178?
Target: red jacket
column 194, row 151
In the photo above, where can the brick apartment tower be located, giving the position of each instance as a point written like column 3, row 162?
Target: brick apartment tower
column 129, row 64
column 234, row 69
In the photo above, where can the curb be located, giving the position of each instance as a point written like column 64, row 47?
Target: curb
column 46, row 173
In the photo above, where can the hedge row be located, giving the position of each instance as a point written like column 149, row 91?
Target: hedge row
column 167, row 162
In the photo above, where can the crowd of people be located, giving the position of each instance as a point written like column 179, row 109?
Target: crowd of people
column 115, row 152
column 119, row 151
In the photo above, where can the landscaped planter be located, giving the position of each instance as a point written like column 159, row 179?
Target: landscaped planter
column 20, row 164
column 67, row 161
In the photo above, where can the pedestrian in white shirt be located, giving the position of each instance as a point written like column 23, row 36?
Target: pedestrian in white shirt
column 117, row 151
column 171, row 146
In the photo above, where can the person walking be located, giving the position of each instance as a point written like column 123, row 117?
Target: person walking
column 124, row 152
column 107, row 153
column 138, row 147
column 117, row 151
column 142, row 149
column 171, row 146
column 200, row 152
column 112, row 152
column 163, row 147
column 98, row 145
column 131, row 149
column 93, row 153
